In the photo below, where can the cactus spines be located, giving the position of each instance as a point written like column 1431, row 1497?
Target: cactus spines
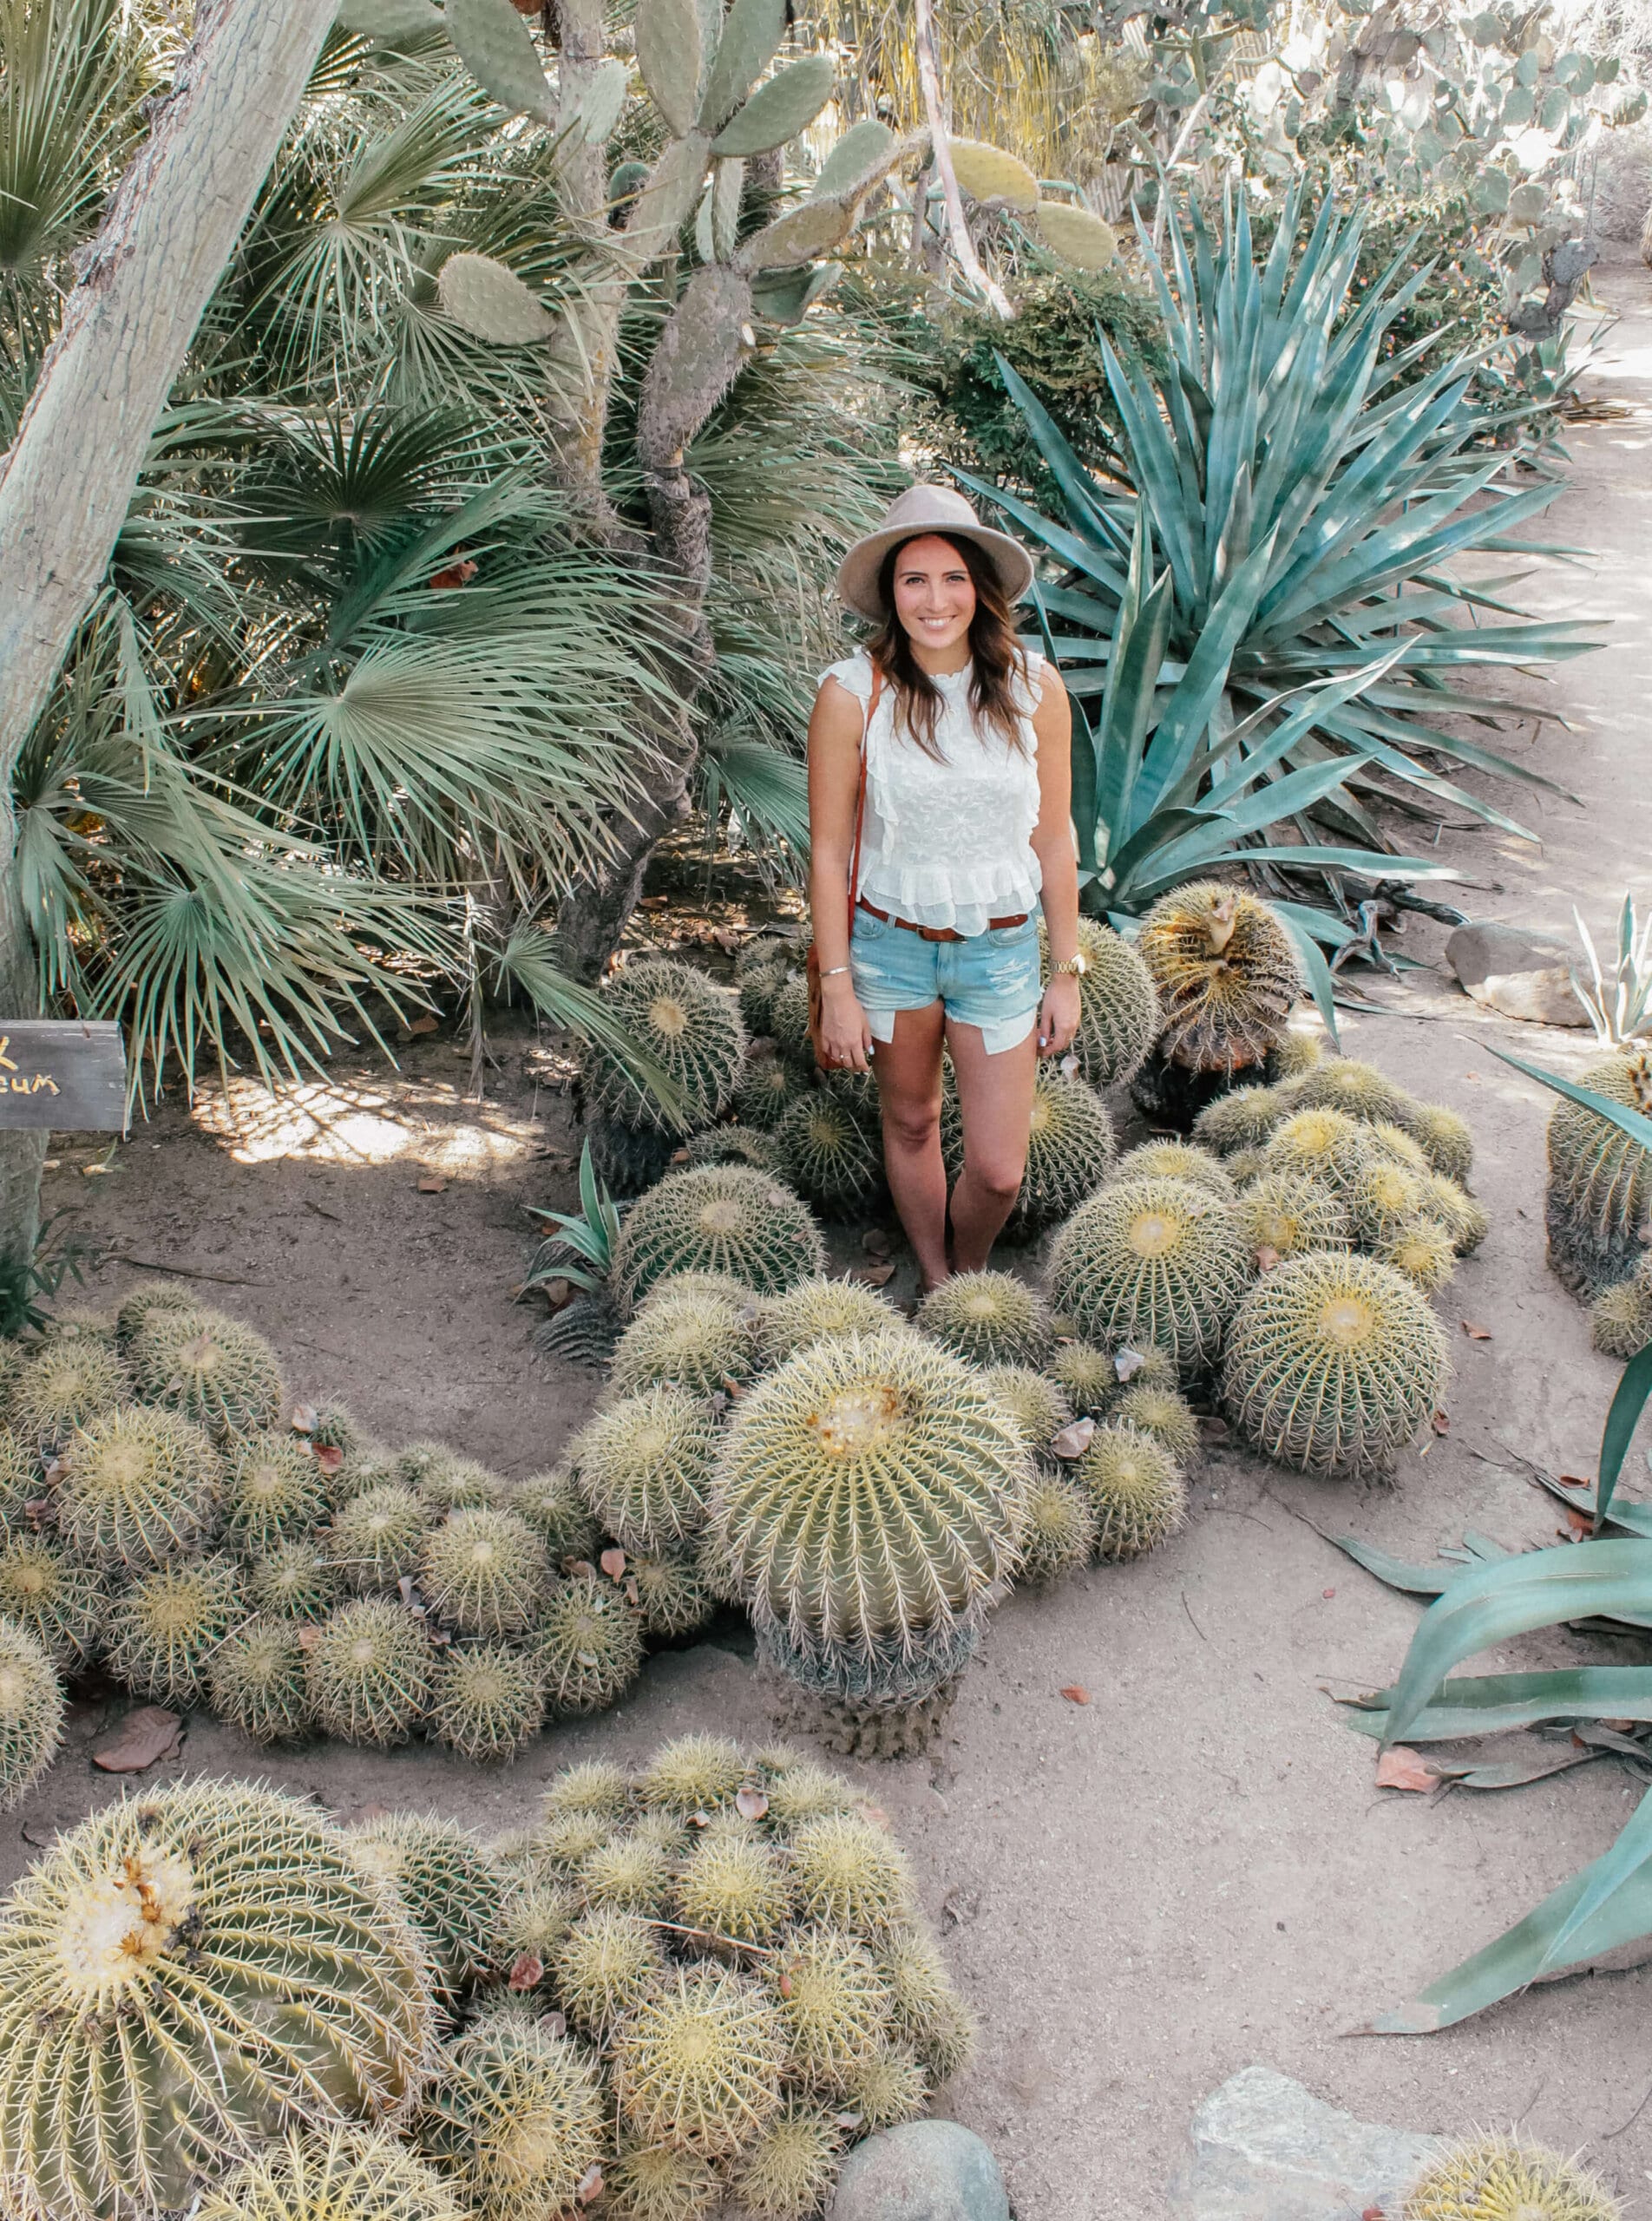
column 718, row 1218
column 869, row 1494
column 734, row 1886
column 1086, row 1375
column 888, row 2087
column 1419, row 1248
column 1160, row 1413
column 929, row 2017
column 487, row 1700
column 779, row 110
column 56, row 1598
column 1070, row 1149
column 1445, row 1139
column 537, row 1913
column 148, row 1296
column 1241, row 1119
column 831, row 1155
column 31, row 1722
column 255, row 1680
column 733, row 1145
column 990, row 1318
column 1600, row 1181
column 163, row 1628
column 669, row 57
column 1136, row 1487
column 375, row 1539
column 462, row 1485
column 645, row 1466
column 698, row 2065
column 212, row 1368
column 139, row 1488
column 1346, row 1083
column 1081, row 239
column 345, row 2174
column 1383, row 1198
column 833, row 2003
column 788, row 1020
column 20, row 1485
column 1061, row 1529
column 1283, row 1213
column 1161, row 1260
column 766, row 1092
column 274, row 1490
column 79, row 1323
column 850, row 1875
column 1297, row 1052
column 516, row 2119
column 626, row 1873
column 690, row 1027
column 607, row 1965
column 1334, row 1361
column 564, row 1843
column 368, row 1676
column 594, row 1786
column 70, row 1385
column 588, row 1646
column 1464, row 1216
column 1032, row 1400
column 143, row 1933
column 694, row 1773
column 488, row 301
column 889, row 1701
column 1325, row 1146
column 821, row 1310
column 751, row 38
column 692, row 1338
column 799, row 1791
column 559, row 1515
column 484, row 1572
column 1620, row 1325
column 650, row 2182
column 1119, row 1019
column 671, row 1596
column 1226, row 974
column 1495, row 2175
column 786, row 2173
column 1174, row 1161
column 296, row 1581
column 988, row 172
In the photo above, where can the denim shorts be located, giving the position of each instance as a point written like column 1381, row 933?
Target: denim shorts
column 991, row 979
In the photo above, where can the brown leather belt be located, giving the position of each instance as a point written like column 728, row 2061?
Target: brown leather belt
column 938, row 932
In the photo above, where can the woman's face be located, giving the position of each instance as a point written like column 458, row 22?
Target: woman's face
column 935, row 595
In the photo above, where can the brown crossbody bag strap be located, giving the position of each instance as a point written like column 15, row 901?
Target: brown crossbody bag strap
column 812, row 963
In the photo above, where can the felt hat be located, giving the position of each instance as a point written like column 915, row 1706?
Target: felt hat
column 918, row 510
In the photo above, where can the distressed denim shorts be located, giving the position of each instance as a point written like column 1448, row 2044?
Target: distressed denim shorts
column 991, row 979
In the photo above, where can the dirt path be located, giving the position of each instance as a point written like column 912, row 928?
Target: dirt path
column 1194, row 1870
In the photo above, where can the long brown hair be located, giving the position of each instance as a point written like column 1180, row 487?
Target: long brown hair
column 995, row 652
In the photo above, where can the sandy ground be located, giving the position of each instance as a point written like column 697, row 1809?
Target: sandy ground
column 1196, row 1870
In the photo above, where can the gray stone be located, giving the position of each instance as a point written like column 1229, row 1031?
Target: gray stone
column 1263, row 2148
column 1521, row 973
column 924, row 2171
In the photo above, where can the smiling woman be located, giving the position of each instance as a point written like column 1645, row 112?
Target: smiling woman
column 940, row 816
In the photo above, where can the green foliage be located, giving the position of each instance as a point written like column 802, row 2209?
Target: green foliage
column 990, row 1318
column 368, row 1677
column 255, row 1681
column 726, row 1219
column 1158, row 1260
column 163, row 1629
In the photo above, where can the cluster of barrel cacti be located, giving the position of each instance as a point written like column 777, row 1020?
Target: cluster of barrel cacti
column 704, row 1981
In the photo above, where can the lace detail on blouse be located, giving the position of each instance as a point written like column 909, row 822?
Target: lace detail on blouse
column 949, row 843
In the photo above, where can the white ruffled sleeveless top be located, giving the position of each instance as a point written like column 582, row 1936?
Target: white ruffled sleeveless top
column 949, row 843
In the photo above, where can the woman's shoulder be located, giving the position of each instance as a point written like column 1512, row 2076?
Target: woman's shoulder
column 853, row 673
column 1030, row 675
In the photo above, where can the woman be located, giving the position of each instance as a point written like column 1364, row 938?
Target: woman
column 966, row 834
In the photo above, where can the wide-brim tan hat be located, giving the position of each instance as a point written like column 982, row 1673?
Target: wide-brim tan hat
column 920, row 509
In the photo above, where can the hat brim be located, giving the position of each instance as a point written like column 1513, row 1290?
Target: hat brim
column 857, row 574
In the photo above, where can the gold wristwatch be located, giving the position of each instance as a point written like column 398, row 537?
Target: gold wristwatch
column 1076, row 966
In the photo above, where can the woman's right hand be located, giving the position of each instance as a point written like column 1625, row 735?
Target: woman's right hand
column 845, row 1037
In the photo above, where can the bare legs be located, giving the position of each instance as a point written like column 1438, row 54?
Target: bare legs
column 995, row 1096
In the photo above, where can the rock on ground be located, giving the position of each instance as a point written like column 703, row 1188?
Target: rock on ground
column 1526, row 975
column 1263, row 2148
column 925, row 2171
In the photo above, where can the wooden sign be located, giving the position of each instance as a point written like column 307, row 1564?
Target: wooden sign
column 69, row 1074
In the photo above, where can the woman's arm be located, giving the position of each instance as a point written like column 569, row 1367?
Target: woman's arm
column 834, row 788
column 1057, row 863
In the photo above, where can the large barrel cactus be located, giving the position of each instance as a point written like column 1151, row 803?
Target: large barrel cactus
column 1152, row 1261
column 721, row 1218
column 691, row 1030
column 1600, row 1179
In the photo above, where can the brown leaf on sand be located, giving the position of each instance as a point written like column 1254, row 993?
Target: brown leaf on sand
column 1578, row 1523
column 146, row 1737
column 875, row 1242
column 751, row 1804
column 1402, row 1768
column 423, row 1024
column 1072, row 1441
column 528, row 1973
column 431, row 1183
column 877, row 1275
column 304, row 1418
column 1076, row 1693
column 613, row 1563
column 1440, row 1422
column 1475, row 1334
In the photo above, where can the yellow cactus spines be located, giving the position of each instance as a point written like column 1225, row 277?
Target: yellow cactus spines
column 725, row 1218
column 487, row 1700
column 1226, row 972
column 368, row 1676
column 79, row 1323
column 698, row 2065
column 759, row 969
column 1324, row 1145
column 588, row 1646
column 484, row 1572
column 690, row 1027
column 255, row 1681
column 70, row 1385
column 1383, row 1198
column 212, row 1368
column 734, row 1887
column 1174, row 1161
column 690, row 1338
column 1297, row 1052
column 850, row 1873
column 31, row 1712
column 1162, row 1413
column 340, row 2174
column 451, row 1891
column 1346, row 1083
column 1498, row 2179
column 1242, row 1119
column 148, row 1296
column 1152, row 1261
column 989, row 1318
column 559, row 1515
column 833, row 2003
column 1283, row 1213
column 786, row 2174
column 887, row 2087
column 163, row 1630
column 1600, row 1180
column 868, row 1496
column 626, row 1874
column 1119, row 1016
column 295, row 1581
column 766, row 1090
column 799, row 1791
column 1464, row 1216
column 1136, row 1489
column 650, row 2182
column 565, row 1840
column 536, row 1915
column 1421, row 1249
column 830, row 1153
column 375, row 1539
column 818, row 1311
column 227, row 1930
column 694, row 1773
column 274, row 1490
column 1620, row 1325
column 1334, row 1361
column 1061, row 1528
column 1086, row 1375
column 462, row 1485
column 594, row 1786
column 607, row 1965
column 20, row 1485
column 645, row 1467
column 671, row 1596
column 1445, row 1139
column 139, row 1489
column 59, row 1600
column 516, row 2120
column 1032, row 1400
column 929, row 2018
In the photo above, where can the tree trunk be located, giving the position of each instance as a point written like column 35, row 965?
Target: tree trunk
column 66, row 483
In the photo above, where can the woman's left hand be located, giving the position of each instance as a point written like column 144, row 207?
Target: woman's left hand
column 1058, row 1015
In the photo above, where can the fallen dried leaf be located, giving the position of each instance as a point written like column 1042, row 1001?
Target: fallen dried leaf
column 1328, row 1594
column 558, row 1293
column 785, row 1984
column 1475, row 1334
column 653, row 901
column 1266, row 1258
column 431, row 1183
column 633, row 1594
column 329, row 1457
column 554, row 2024
column 424, row 1023
column 872, row 1275
column 1578, row 1523
column 457, row 575
column 1440, row 1424
column 679, row 1156
column 528, row 1973
column 37, row 1833
column 590, row 2187
column 1127, row 1363
column 849, row 2121
column 1072, row 1441
column 613, row 1562
column 372, row 1812
column 1076, row 1693
column 583, row 1567
column 869, row 1810
column 1402, row 1768
column 304, row 1418
column 146, row 1737
column 308, row 1638
column 751, row 1804
column 875, row 1242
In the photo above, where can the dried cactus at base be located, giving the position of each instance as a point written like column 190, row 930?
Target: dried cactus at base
column 607, row 1965
column 688, row 1026
column 722, row 1218
column 163, row 1630
column 69, row 1385
column 699, row 2065
column 670, row 1595
column 1162, row 1413
column 831, row 1155
column 890, row 1700
column 1600, row 1181
column 588, row 1646
column 735, row 1887
column 821, row 1310
column 375, row 1539
column 689, row 1339
column 1620, row 1325
column 487, row 1700
column 1334, row 1361
column 1242, row 1119
column 484, row 1572
column 1034, row 1401
column 1061, row 1528
column 1324, row 1145
column 988, row 1318
column 1283, row 1213
column 516, row 2118
column 786, row 2174
column 56, row 1598
column 1119, row 1016
column 1421, row 1249
column 1346, row 1083
column 559, row 1515
column 1152, row 1261
column 1445, row 1139
column 143, row 1934
column 645, row 1467
column 368, row 1676
column 296, row 1581
column 210, row 1367
column 1226, row 974
column 1136, row 1489
column 139, row 1488
column 343, row 2174
column 1500, row 2178
column 255, row 1680
column 31, row 1720
column 273, row 1489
